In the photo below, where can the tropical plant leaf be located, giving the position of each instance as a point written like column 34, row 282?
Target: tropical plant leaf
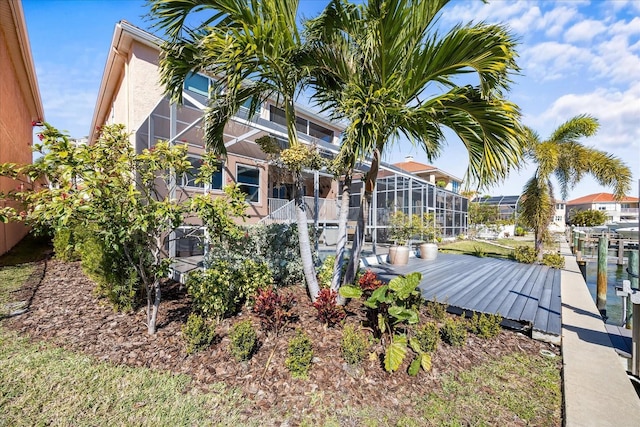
column 396, row 352
column 404, row 314
column 425, row 361
column 404, row 286
column 348, row 291
column 378, row 296
column 415, row 345
column 414, row 368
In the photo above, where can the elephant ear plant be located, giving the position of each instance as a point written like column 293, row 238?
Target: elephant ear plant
column 393, row 307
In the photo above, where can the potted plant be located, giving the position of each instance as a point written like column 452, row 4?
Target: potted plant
column 401, row 228
column 429, row 231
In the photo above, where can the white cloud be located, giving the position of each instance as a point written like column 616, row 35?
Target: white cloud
column 627, row 28
column 617, row 110
column 584, row 31
column 552, row 60
column 555, row 20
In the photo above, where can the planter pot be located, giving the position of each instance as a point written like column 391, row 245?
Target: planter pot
column 428, row 251
column 399, row 255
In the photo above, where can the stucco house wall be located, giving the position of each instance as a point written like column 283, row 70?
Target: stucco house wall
column 20, row 105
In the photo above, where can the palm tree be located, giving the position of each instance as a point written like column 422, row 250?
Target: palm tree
column 254, row 49
column 389, row 72
column 563, row 156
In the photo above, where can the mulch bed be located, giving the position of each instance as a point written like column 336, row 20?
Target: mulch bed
column 64, row 310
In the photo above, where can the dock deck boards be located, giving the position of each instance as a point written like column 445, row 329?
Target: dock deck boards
column 523, row 293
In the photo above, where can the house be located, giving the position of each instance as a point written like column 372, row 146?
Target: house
column 430, row 174
column 617, row 211
column 20, row 105
column 130, row 94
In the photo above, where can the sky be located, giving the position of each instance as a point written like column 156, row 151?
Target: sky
column 576, row 57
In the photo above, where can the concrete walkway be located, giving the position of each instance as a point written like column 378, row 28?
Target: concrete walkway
column 597, row 391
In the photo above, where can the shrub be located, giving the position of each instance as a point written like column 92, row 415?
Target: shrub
column 198, row 333
column 116, row 280
column 64, row 245
column 369, row 282
column 479, row 252
column 519, row 231
column 354, row 345
column 273, row 309
column 277, row 245
column 454, row 332
column 325, row 272
column 436, row 310
column 553, row 260
column 428, row 337
column 525, row 254
column 329, row 312
column 486, row 325
column 222, row 288
column 244, row 340
column 300, row 354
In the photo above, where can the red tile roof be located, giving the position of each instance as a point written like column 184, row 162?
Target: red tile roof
column 414, row 167
column 601, row 198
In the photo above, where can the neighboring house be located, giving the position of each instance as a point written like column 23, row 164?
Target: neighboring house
column 20, row 104
column 430, row 174
column 625, row 210
column 559, row 223
column 130, row 93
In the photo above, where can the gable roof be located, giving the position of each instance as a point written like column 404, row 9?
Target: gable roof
column 416, row 168
column 601, row 198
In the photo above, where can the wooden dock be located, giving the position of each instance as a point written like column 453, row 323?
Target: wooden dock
column 525, row 295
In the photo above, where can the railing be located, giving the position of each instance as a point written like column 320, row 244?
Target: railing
column 629, row 210
column 284, row 211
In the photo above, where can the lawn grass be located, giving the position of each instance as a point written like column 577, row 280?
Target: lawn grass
column 517, row 387
column 11, row 278
column 471, row 247
column 29, row 249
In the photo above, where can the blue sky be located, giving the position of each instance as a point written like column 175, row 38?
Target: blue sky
column 577, row 57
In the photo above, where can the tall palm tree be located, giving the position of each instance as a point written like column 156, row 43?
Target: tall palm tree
column 563, row 156
column 390, row 72
column 254, row 49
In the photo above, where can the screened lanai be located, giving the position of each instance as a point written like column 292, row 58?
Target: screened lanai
column 507, row 205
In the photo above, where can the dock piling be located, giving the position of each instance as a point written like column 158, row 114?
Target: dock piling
column 601, row 283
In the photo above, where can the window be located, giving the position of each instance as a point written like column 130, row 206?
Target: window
column 455, row 186
column 197, row 83
column 276, row 115
column 320, row 132
column 189, row 178
column 248, row 178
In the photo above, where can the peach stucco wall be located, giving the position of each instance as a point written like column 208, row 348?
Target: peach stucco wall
column 15, row 136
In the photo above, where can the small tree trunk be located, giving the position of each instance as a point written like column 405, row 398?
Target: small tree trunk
column 538, row 245
column 304, row 241
column 341, row 244
column 152, row 310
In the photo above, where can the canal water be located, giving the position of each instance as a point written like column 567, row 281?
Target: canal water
column 615, row 275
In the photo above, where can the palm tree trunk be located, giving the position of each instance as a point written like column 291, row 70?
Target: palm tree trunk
column 538, row 244
column 341, row 244
column 363, row 219
column 304, row 241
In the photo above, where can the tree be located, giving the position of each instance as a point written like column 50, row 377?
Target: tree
column 389, row 72
column 483, row 213
column 562, row 155
column 254, row 50
column 588, row 218
column 125, row 198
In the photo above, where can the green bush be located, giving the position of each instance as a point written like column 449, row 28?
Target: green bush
column 428, row 337
column 486, row 325
column 300, row 354
column 454, row 332
column 115, row 279
column 479, row 252
column 64, row 245
column 354, row 345
column 554, row 260
column 198, row 333
column 244, row 340
column 221, row 289
column 519, row 231
column 436, row 310
column 525, row 254
column 325, row 272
